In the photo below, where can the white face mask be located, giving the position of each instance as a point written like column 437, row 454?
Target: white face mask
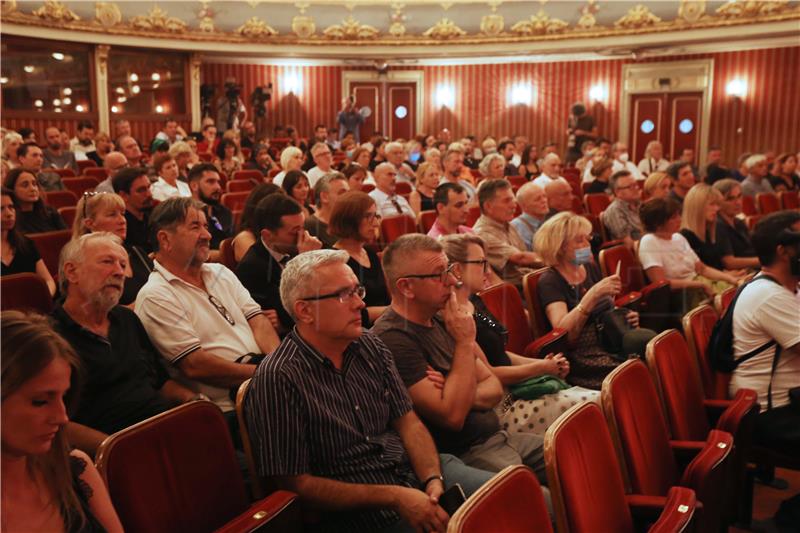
column 623, row 157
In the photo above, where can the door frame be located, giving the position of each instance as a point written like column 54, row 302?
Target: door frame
column 695, row 75
column 404, row 76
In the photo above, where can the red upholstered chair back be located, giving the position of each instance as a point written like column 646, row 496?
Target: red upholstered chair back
column 789, row 199
column 723, row 300
column 426, row 220
column 25, row 292
column 583, row 474
column 174, row 472
column 403, row 188
column 473, row 215
column 234, row 200
column 85, row 164
column 247, row 175
column 79, row 185
column 637, row 425
column 577, row 205
column 98, row 173
column 510, row 502
column 517, row 181
column 749, row 205
column 536, row 314
column 596, row 203
column 60, row 199
column 367, row 188
column 49, row 244
column 505, row 303
column 678, row 379
column 258, row 484
column 394, row 227
column 630, row 272
column 68, row 214
column 226, row 253
column 63, row 172
column 768, row 203
column 698, row 324
column 240, row 185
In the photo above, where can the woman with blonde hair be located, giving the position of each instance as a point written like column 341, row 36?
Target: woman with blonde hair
column 699, row 223
column 102, row 147
column 182, row 153
column 421, row 199
column 576, row 297
column 45, row 486
column 657, row 185
column 493, row 166
column 653, row 159
column 434, row 157
column 11, row 142
column 291, row 159
column 104, row 211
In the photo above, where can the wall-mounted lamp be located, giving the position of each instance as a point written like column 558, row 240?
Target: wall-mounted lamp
column 520, row 94
column 736, row 87
column 445, row 96
column 292, row 83
column 598, row 93
column 159, row 108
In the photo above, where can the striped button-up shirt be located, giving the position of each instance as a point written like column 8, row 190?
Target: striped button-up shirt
column 307, row 417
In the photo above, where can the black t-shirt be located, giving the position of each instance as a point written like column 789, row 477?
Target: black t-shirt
column 553, row 287
column 119, row 376
column 780, row 185
column 220, row 224
column 372, row 279
column 141, row 266
column 734, row 240
column 597, row 187
column 415, row 347
column 586, row 122
column 138, row 231
column 709, row 252
column 37, row 221
column 25, row 258
column 490, row 334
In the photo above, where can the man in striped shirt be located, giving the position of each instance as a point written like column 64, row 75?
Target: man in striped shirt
column 331, row 420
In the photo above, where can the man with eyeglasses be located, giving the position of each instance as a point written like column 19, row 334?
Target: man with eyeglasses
column 323, row 160
column 330, row 419
column 122, row 379
column 452, row 209
column 621, row 218
column 199, row 316
column 428, row 331
column 278, row 221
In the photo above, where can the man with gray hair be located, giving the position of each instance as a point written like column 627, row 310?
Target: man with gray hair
column 621, row 218
column 427, row 328
column 198, row 314
column 390, row 204
column 551, row 170
column 326, row 191
column 453, row 164
column 323, row 161
column 121, row 378
column 533, row 201
column 756, row 181
column 330, row 419
column 396, row 155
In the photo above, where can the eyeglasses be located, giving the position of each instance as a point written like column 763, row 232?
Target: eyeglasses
column 372, row 216
column 442, row 276
column 222, row 310
column 343, row 295
column 86, row 196
column 483, row 262
column 625, row 187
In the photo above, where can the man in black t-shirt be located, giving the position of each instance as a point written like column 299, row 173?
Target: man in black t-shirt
column 121, row 378
column 133, row 185
column 581, row 128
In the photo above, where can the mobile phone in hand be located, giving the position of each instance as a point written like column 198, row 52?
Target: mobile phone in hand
column 452, row 498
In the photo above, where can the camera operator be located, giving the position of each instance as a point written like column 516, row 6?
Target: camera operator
column 350, row 119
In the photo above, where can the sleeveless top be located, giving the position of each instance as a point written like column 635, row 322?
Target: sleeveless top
column 84, row 492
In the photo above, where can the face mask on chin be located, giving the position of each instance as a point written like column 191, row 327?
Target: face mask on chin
column 623, row 157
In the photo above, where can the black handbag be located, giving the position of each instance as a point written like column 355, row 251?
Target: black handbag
column 612, row 326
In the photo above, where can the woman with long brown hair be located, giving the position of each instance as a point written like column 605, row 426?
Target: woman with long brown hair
column 45, row 486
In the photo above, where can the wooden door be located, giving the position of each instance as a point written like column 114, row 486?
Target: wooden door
column 685, row 112
column 391, row 108
column 672, row 118
column 368, row 97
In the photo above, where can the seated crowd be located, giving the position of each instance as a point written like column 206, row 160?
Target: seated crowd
column 379, row 374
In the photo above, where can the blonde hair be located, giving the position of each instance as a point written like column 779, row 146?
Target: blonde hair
column 178, row 148
column 552, row 236
column 423, row 169
column 456, row 245
column 89, row 206
column 650, row 146
column 652, row 182
column 288, row 153
column 694, row 211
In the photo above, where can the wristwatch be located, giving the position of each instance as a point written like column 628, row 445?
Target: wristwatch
column 433, row 477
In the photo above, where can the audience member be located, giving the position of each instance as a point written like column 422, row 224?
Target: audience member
column 576, row 297
column 559, row 196
column 28, row 136
column 278, row 221
column 551, row 170
column 350, row 119
column 396, row 155
column 683, row 179
column 291, row 159
column 581, row 128
column 170, row 132
column 248, row 132
column 493, row 167
column 699, row 223
column 308, row 387
column 533, row 201
column 453, row 164
column 356, row 176
column 732, row 233
column 83, row 142
column 601, row 172
column 112, row 162
column 713, row 159
column 246, row 236
column 505, row 249
column 133, row 186
column 323, row 161
column 168, row 184
column 621, row 218
column 198, row 315
column 206, row 186
column 427, row 179
column 506, row 150
column 434, row 157
column 55, row 156
column 11, row 143
column 228, row 159
column 528, row 167
column 687, row 156
column 296, row 186
column 386, row 198
column 260, row 160
column 31, row 160
column 459, row 412
column 355, row 222
column 657, row 185
column 756, row 181
column 32, row 214
column 327, row 190
column 783, row 177
column 46, row 485
column 105, row 212
column 653, row 159
column 102, row 147
column 19, row 253
column 182, row 153
column 210, row 141
column 450, row 200
column 130, row 149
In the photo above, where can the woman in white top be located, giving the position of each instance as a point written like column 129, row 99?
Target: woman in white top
column 653, row 159
column 168, row 184
column 291, row 159
column 665, row 254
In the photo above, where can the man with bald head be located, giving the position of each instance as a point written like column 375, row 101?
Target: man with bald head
column 559, row 196
column 130, row 149
column 54, row 155
column 533, row 201
column 551, row 170
column 389, row 203
column 114, row 162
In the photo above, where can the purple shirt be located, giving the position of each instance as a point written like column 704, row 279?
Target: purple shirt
column 437, row 230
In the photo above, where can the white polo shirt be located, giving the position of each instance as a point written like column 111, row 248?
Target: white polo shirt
column 180, row 318
column 388, row 205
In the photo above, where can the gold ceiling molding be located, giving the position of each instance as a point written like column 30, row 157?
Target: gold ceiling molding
column 398, row 26
column 303, row 26
column 691, row 11
column 107, row 14
column 206, row 16
column 256, row 28
column 492, row 24
column 637, row 17
column 7, row 7
column 539, row 24
column 445, row 29
column 56, row 12
column 158, row 20
column 350, row 28
column 752, row 8
column 588, row 19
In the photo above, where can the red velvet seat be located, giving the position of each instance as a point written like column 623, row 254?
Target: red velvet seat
column 68, row 214
column 226, row 253
column 473, row 215
column 49, row 244
column 691, row 416
column 205, row 157
column 586, row 482
column 536, row 314
column 394, row 227
column 510, row 502
column 596, row 203
column 84, row 164
column 789, row 199
column 697, row 325
column 504, row 302
column 577, row 205
column 63, row 172
column 234, row 200
column 258, row 485
column 517, row 181
column 247, row 175
column 638, row 427
column 367, row 188
column 79, row 185
column 723, row 300
column 60, row 199
column 98, row 173
column 749, row 206
column 240, row 185
column 768, row 203
column 25, row 292
column 403, row 188
column 752, row 220
column 178, row 472
column 426, row 219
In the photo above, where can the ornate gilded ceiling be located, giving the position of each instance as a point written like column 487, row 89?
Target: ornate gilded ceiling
column 326, row 23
